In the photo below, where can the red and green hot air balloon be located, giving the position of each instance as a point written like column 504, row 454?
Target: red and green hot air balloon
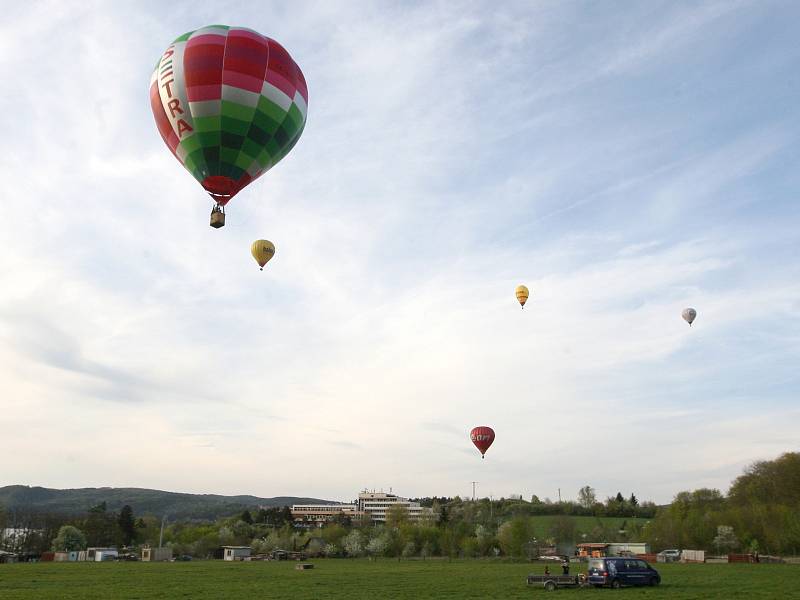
column 229, row 103
column 482, row 437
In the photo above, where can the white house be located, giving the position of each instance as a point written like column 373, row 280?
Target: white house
column 235, row 552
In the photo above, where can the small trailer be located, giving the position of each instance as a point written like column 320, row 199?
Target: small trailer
column 553, row 582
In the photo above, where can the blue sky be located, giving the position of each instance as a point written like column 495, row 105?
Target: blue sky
column 623, row 160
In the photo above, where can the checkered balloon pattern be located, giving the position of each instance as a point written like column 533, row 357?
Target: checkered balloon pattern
column 229, row 103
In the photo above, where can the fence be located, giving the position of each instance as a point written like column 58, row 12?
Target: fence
column 648, row 557
column 741, row 558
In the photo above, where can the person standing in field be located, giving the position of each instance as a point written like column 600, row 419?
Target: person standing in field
column 565, row 566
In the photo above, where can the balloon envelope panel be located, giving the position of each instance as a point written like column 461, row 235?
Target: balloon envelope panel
column 229, row 103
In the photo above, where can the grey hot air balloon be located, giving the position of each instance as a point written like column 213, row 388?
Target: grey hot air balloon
column 689, row 315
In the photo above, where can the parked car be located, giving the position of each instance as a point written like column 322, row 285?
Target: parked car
column 669, row 555
column 128, row 556
column 182, row 558
column 618, row 572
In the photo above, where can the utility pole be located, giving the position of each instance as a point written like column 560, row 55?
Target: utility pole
column 559, row 495
column 161, row 535
column 473, row 490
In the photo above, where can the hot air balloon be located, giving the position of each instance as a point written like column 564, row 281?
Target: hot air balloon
column 522, row 295
column 689, row 315
column 482, row 437
column 229, row 103
column 262, row 251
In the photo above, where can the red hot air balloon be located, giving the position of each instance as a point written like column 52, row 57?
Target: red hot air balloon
column 229, row 103
column 482, row 437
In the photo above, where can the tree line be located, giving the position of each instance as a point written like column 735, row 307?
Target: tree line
column 456, row 527
column 760, row 513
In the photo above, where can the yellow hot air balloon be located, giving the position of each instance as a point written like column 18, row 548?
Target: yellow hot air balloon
column 262, row 251
column 522, row 295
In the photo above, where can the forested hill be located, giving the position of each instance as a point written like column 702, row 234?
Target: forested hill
column 143, row 501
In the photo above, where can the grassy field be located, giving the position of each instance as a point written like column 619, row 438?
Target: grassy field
column 357, row 579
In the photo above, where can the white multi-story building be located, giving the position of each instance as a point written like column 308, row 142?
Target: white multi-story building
column 309, row 515
column 376, row 504
column 373, row 504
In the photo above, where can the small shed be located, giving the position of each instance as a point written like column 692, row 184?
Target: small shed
column 101, row 554
column 235, row 552
column 627, row 548
column 156, row 554
column 61, row 557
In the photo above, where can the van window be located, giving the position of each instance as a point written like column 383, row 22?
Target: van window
column 597, row 564
column 642, row 565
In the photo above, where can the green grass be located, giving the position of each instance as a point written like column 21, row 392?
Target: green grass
column 357, row 579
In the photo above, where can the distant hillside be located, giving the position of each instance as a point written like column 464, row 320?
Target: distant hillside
column 143, row 501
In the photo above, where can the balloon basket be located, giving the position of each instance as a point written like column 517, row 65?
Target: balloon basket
column 217, row 217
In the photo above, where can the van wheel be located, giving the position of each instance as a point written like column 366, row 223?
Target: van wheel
column 654, row 581
column 550, row 586
column 616, row 584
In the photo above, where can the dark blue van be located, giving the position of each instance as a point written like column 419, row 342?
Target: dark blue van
column 616, row 572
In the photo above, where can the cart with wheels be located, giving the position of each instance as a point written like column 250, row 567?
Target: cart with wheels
column 552, row 582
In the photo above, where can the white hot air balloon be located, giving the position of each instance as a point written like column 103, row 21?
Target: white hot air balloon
column 689, row 315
